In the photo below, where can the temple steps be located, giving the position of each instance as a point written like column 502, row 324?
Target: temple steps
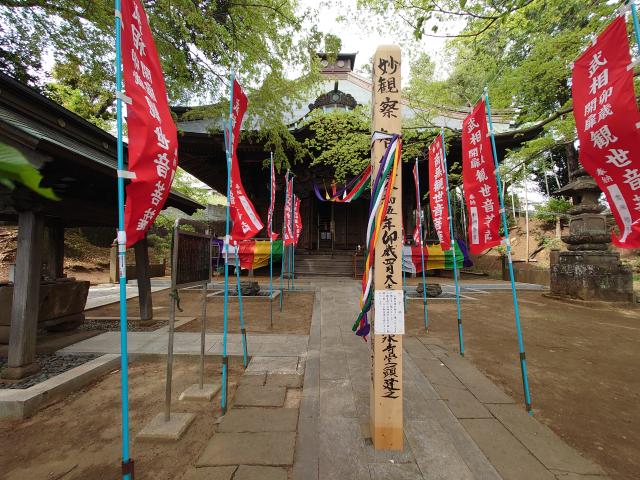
column 330, row 264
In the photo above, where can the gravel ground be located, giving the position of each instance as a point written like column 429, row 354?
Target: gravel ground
column 51, row 365
column 114, row 325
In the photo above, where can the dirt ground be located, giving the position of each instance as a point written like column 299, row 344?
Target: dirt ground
column 584, row 365
column 80, row 438
column 295, row 317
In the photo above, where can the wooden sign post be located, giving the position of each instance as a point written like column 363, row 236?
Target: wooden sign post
column 386, row 386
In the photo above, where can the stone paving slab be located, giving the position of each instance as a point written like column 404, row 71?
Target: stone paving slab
column 209, row 473
column 464, row 444
column 416, row 349
column 510, row 458
column 257, row 396
column 188, row 343
column 253, row 379
column 542, row 442
column 336, row 398
column 261, row 448
column 462, row 403
column 246, row 472
column 435, row 453
column 483, row 388
column 284, row 380
column 438, row 373
column 395, row 472
column 341, row 449
column 271, row 365
column 259, row 420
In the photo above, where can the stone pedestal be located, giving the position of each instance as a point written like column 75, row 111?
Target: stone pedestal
column 591, row 275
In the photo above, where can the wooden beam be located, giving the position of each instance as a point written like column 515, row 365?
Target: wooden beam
column 26, row 297
column 387, row 387
column 54, row 250
column 141, row 250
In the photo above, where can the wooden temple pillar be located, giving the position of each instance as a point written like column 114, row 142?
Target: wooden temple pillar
column 54, row 250
column 387, row 391
column 26, row 294
column 141, row 250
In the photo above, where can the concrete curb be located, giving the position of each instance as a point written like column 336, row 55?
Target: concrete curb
column 23, row 403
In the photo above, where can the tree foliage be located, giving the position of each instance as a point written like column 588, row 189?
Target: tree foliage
column 339, row 140
column 199, row 42
column 521, row 49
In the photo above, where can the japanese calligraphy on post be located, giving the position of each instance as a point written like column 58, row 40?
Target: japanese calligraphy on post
column 388, row 320
column 479, row 180
column 607, row 120
column 153, row 144
column 438, row 193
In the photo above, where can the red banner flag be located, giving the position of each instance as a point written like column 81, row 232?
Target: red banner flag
column 607, row 119
column 438, row 193
column 479, row 180
column 416, row 231
column 297, row 221
column 246, row 222
column 272, row 203
column 288, row 207
column 153, row 141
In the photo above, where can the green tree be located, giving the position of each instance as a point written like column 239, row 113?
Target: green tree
column 199, row 42
column 521, row 49
column 339, row 140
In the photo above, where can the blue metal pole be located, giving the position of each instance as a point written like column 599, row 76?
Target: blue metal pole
column 271, row 247
column 453, row 246
column 424, row 273
column 243, row 330
column 122, row 245
column 636, row 23
column 225, row 360
column 505, row 227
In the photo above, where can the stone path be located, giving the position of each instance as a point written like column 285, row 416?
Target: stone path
column 458, row 424
column 256, row 439
column 188, row 343
column 107, row 293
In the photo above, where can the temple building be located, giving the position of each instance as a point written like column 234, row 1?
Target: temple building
column 327, row 226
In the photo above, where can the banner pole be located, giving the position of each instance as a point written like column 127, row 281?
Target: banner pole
column 636, row 23
column 127, row 462
column 225, row 360
column 292, row 246
column 284, row 247
column 453, row 246
column 243, row 330
column 271, row 247
column 505, row 227
column 424, row 274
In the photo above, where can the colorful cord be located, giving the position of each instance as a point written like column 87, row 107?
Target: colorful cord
column 381, row 194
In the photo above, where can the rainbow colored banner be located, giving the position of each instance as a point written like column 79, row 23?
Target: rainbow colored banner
column 254, row 253
column 434, row 258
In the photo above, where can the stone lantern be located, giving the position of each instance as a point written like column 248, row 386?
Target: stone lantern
column 589, row 271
